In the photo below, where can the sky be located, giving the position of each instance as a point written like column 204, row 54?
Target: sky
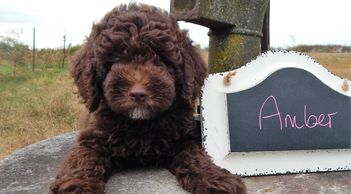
column 292, row 22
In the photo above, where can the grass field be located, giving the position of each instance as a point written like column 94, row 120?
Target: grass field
column 337, row 63
column 35, row 106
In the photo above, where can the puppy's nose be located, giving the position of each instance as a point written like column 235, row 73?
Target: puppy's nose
column 138, row 94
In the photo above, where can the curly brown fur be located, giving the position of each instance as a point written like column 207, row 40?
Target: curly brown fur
column 139, row 77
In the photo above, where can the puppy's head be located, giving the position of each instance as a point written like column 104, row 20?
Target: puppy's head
column 139, row 63
column 139, row 91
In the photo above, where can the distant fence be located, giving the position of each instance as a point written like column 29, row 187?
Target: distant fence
column 15, row 55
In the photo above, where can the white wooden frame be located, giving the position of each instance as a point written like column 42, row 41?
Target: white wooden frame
column 216, row 130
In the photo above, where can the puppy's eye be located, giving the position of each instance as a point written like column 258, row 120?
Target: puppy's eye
column 168, row 70
column 163, row 68
column 161, row 65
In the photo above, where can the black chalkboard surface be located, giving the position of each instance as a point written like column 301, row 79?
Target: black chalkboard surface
column 290, row 110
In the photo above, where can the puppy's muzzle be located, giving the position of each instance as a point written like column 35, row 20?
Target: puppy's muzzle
column 138, row 94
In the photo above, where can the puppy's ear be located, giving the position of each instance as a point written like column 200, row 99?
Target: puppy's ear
column 84, row 73
column 195, row 72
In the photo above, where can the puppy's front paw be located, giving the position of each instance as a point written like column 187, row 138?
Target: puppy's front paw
column 77, row 186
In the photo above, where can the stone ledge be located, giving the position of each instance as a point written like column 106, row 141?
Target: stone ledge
column 31, row 170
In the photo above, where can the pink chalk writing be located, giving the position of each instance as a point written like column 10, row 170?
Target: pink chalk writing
column 309, row 121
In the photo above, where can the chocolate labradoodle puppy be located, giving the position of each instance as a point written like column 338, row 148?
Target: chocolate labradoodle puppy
column 139, row 76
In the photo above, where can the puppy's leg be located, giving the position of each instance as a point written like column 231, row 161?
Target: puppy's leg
column 83, row 171
column 199, row 175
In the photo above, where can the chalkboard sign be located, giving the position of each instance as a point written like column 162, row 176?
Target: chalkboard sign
column 290, row 110
column 281, row 113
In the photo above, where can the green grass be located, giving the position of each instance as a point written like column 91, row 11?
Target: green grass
column 5, row 70
column 35, row 106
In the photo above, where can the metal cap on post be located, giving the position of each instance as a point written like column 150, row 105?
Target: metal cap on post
column 236, row 28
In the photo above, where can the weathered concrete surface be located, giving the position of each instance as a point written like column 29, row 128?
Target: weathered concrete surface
column 313, row 183
column 31, row 170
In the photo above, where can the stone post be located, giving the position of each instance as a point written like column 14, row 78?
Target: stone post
column 237, row 28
